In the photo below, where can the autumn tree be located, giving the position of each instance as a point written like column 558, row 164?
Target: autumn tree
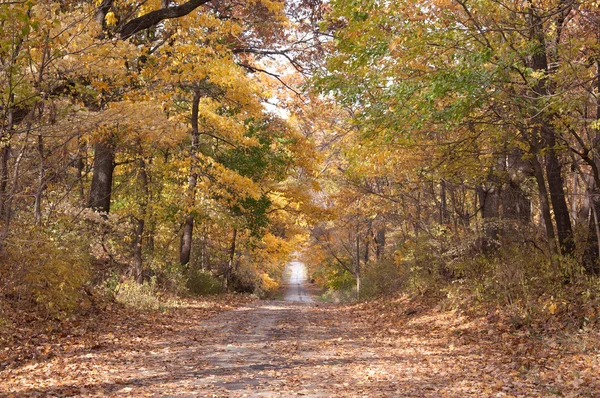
column 137, row 125
column 470, row 130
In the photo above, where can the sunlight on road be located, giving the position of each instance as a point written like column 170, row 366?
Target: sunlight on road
column 295, row 283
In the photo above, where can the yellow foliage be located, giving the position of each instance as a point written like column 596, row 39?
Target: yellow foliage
column 48, row 270
column 269, row 286
column 136, row 94
column 139, row 296
column 111, row 19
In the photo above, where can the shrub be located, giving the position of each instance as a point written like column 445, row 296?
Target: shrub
column 331, row 275
column 268, row 287
column 141, row 296
column 245, row 279
column 47, row 266
column 522, row 278
column 170, row 276
column 339, row 296
column 202, row 282
column 384, row 276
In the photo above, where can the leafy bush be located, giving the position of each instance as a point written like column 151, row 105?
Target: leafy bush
column 517, row 275
column 170, row 276
column 339, row 296
column 422, row 265
column 245, row 279
column 331, row 275
column 141, row 296
column 47, row 266
column 248, row 279
column 384, row 276
column 512, row 274
column 268, row 287
column 202, row 282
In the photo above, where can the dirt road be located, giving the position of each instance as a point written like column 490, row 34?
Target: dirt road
column 295, row 285
column 303, row 348
column 265, row 349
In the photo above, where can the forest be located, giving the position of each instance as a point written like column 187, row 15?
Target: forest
column 421, row 158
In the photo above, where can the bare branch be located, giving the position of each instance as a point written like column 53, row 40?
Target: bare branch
column 254, row 69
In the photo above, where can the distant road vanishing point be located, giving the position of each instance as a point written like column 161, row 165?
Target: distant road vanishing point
column 295, row 283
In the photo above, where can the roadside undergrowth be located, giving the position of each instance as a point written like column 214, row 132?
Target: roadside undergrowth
column 551, row 353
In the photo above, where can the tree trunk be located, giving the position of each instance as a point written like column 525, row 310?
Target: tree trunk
column 102, row 177
column 574, row 196
column 557, row 197
column 10, row 194
column 591, row 260
column 80, row 165
column 357, row 261
column 539, row 62
column 4, row 158
column 231, row 258
column 380, row 242
column 545, row 205
column 185, row 249
column 4, row 173
column 137, row 271
column 367, row 247
column 188, row 226
column 489, row 205
column 444, row 214
column 37, row 207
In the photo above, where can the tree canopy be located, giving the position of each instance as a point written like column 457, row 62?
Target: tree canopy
column 211, row 139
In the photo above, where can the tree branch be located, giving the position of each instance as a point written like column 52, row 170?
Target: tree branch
column 254, row 69
column 153, row 18
column 283, row 53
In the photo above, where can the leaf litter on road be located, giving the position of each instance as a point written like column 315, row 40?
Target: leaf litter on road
column 383, row 348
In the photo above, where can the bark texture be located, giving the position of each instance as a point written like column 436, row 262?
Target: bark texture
column 102, row 177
